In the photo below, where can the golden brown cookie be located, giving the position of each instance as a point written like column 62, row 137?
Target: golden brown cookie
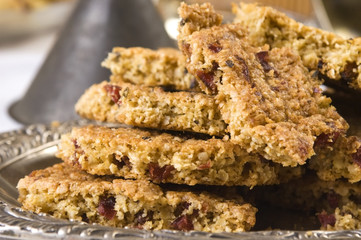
column 164, row 67
column 337, row 60
column 66, row 192
column 268, row 98
column 162, row 157
column 149, row 107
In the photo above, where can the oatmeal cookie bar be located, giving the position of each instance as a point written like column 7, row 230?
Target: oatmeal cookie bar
column 162, row 157
column 151, row 107
column 164, row 67
column 340, row 158
column 335, row 58
column 66, row 192
column 335, row 203
column 268, row 98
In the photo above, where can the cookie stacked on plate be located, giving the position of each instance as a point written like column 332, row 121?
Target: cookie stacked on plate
column 225, row 110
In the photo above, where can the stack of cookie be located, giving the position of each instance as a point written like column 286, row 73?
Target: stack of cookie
column 233, row 107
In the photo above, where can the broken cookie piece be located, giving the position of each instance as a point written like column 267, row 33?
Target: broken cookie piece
column 268, row 98
column 166, row 158
column 339, row 158
column 164, row 67
column 66, row 192
column 151, row 107
column 335, row 59
column 336, row 204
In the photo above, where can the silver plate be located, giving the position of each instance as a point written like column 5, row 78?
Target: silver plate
column 33, row 148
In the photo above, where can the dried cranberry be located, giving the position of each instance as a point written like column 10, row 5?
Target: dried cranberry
column 186, row 48
column 263, row 60
column 326, row 219
column 245, row 69
column 215, row 47
column 140, row 219
column 181, row 207
column 76, row 145
column 106, row 207
column 114, row 93
column 123, row 161
column 326, row 139
column 333, row 199
column 183, row 223
column 195, row 213
column 77, row 151
column 356, row 157
column 348, row 74
column 275, row 88
column 215, row 66
column 208, row 79
column 204, row 166
column 158, row 174
column 303, row 147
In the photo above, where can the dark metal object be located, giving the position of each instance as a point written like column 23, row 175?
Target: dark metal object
column 95, row 27
column 341, row 17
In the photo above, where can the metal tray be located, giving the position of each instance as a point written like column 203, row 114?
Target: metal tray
column 33, row 148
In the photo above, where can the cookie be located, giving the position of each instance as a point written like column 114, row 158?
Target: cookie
column 339, row 158
column 334, row 58
column 336, row 204
column 162, row 157
column 149, row 107
column 65, row 192
column 164, row 67
column 269, row 100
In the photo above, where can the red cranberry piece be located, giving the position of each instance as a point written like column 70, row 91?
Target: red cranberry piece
column 348, row 74
column 326, row 219
column 215, row 47
column 326, row 139
column 77, row 151
column 106, row 207
column 204, row 166
column 245, row 70
column 333, row 199
column 215, row 66
column 208, row 79
column 114, row 93
column 158, row 174
column 76, row 145
column 275, row 88
column 123, row 161
column 263, row 60
column 183, row 223
column 187, row 48
column 181, row 207
column 140, row 219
